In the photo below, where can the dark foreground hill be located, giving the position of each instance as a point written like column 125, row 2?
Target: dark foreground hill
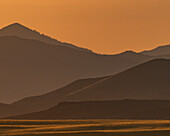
column 2, row 105
column 38, row 103
column 146, row 81
column 117, row 109
column 149, row 80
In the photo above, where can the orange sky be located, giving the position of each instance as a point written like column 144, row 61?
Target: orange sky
column 105, row 26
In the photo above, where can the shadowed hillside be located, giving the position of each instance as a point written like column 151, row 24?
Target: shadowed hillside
column 118, row 109
column 149, row 80
column 146, row 81
column 2, row 105
column 45, row 101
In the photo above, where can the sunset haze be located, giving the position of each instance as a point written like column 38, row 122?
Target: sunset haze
column 105, row 26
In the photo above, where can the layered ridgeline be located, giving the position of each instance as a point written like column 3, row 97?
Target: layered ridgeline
column 160, row 51
column 31, row 66
column 117, row 109
column 149, row 80
column 21, row 31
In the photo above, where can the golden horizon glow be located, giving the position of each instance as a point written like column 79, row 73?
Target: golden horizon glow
column 105, row 26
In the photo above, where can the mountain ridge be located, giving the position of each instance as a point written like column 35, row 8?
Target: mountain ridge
column 137, row 83
column 158, row 51
column 149, row 80
column 17, row 29
column 33, row 67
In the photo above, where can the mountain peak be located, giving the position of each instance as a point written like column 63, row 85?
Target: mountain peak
column 21, row 31
column 14, row 26
column 129, row 52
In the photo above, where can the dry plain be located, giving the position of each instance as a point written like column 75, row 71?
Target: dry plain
column 84, row 128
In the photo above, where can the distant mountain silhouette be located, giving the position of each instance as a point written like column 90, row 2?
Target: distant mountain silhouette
column 30, row 67
column 117, row 109
column 19, row 30
column 158, row 51
column 149, row 80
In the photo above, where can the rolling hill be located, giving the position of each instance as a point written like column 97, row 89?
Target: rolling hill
column 117, row 109
column 41, row 102
column 146, row 81
column 149, row 80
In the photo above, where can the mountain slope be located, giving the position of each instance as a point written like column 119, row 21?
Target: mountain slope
column 38, row 103
column 30, row 67
column 146, row 81
column 166, row 56
column 158, row 51
column 22, row 31
column 117, row 109
column 149, row 80
column 2, row 105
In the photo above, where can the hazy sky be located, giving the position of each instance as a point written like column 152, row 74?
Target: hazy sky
column 105, row 26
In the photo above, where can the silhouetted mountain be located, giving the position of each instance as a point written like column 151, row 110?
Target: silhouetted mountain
column 19, row 30
column 38, row 103
column 158, row 51
column 149, row 80
column 146, row 81
column 30, row 67
column 117, row 109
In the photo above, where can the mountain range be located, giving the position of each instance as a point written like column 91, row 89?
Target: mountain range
column 149, row 80
column 39, row 72
column 16, row 29
column 158, row 51
column 31, row 67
